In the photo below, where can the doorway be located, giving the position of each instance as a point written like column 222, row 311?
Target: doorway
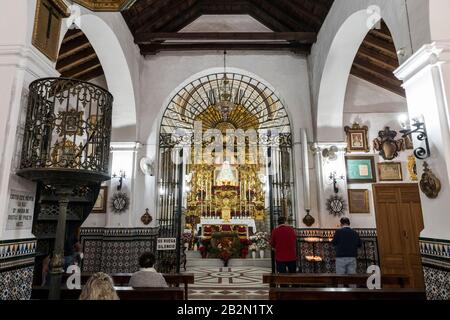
column 399, row 222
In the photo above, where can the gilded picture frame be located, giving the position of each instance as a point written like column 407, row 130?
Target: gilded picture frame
column 390, row 171
column 358, row 201
column 47, row 26
column 101, row 202
column 357, row 140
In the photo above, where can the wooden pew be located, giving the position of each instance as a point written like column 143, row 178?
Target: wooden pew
column 122, row 279
column 332, row 280
column 124, row 293
column 345, row 294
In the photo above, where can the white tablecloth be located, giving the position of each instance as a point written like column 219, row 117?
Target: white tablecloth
column 247, row 222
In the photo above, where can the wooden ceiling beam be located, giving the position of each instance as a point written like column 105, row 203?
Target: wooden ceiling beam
column 81, row 69
column 151, row 49
column 383, row 46
column 71, row 61
column 271, row 9
column 299, row 37
column 164, row 15
column 73, row 47
column 92, row 74
column 381, row 61
column 360, row 73
column 376, row 71
column 308, row 17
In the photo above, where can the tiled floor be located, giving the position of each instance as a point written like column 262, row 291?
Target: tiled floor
column 228, row 283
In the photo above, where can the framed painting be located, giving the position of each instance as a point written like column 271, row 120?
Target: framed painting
column 390, row 171
column 47, row 26
column 358, row 201
column 100, row 203
column 360, row 169
column 357, row 138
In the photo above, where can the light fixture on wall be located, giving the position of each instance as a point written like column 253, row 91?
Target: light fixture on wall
column 122, row 175
column 334, row 179
column 418, row 127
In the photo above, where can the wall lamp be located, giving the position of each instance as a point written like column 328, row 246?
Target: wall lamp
column 419, row 128
column 121, row 176
column 334, row 179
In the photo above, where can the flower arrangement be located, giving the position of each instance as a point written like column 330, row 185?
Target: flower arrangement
column 261, row 240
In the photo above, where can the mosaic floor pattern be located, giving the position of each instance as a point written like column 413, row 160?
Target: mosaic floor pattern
column 228, row 283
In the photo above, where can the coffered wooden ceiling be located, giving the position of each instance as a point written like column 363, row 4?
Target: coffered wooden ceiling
column 377, row 59
column 295, row 24
column 77, row 58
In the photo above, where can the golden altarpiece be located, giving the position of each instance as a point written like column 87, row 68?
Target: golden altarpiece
column 225, row 158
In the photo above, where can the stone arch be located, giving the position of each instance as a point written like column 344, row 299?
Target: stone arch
column 116, row 68
column 348, row 25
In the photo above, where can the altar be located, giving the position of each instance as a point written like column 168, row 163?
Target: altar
column 225, row 225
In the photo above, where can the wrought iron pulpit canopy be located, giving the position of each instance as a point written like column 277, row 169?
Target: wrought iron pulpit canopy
column 67, row 132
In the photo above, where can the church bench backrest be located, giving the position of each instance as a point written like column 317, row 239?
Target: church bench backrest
column 332, row 279
column 122, row 279
column 124, row 293
column 345, row 294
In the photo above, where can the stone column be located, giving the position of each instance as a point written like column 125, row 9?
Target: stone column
column 426, row 77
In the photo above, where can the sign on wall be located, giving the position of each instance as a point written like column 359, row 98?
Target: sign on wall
column 166, row 244
column 20, row 210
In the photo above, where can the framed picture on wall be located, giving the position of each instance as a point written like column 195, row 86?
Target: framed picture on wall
column 100, row 204
column 357, row 138
column 360, row 169
column 390, row 171
column 358, row 201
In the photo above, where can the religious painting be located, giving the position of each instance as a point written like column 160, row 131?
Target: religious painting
column 100, row 203
column 358, row 201
column 71, row 123
column 360, row 169
column 47, row 26
column 357, row 138
column 390, row 171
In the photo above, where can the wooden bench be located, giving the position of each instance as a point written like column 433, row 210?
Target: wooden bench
column 332, row 280
column 124, row 293
column 345, row 294
column 123, row 279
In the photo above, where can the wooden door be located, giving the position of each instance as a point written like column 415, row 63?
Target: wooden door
column 399, row 223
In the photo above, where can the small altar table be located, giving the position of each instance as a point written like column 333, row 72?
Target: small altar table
column 215, row 222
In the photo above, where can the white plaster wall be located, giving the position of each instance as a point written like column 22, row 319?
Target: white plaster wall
column 20, row 64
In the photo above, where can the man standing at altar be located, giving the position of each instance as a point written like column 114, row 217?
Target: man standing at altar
column 284, row 243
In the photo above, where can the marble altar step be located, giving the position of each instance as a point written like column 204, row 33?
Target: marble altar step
column 199, row 262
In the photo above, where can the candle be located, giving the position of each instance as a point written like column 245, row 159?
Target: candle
column 306, row 191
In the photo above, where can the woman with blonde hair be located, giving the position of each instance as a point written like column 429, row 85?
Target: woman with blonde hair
column 100, row 286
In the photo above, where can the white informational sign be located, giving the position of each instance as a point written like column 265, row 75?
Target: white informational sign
column 166, row 244
column 20, row 211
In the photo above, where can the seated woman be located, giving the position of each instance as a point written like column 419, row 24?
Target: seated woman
column 100, row 286
column 147, row 276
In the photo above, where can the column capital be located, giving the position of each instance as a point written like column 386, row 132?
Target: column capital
column 428, row 56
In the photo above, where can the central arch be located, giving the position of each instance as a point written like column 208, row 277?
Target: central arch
column 236, row 183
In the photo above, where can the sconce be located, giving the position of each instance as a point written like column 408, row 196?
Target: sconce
column 420, row 129
column 121, row 176
column 334, row 179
